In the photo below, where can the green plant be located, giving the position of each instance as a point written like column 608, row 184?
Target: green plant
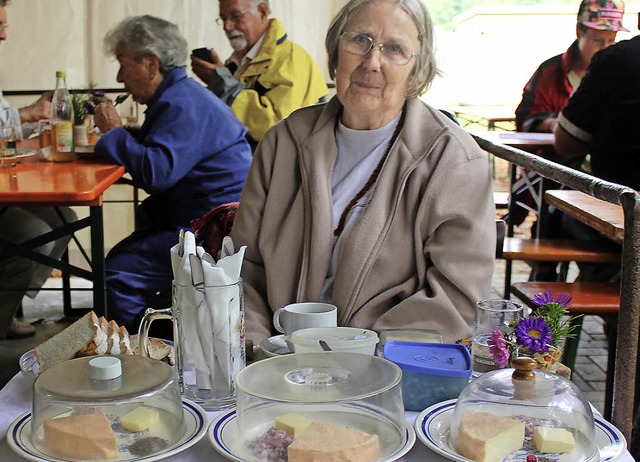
column 84, row 103
column 78, row 101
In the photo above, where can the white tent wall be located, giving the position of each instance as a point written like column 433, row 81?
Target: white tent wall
column 50, row 35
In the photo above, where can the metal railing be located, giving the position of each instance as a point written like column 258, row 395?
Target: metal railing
column 626, row 352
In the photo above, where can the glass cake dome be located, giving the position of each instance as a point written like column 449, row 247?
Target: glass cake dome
column 332, row 404
column 523, row 411
column 119, row 407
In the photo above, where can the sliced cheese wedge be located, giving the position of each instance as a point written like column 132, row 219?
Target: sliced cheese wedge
column 322, row 442
column 486, row 437
column 87, row 436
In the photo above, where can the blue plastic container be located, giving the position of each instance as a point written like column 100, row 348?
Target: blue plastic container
column 431, row 372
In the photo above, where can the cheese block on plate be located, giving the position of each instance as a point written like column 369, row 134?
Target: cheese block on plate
column 486, row 437
column 87, row 436
column 292, row 423
column 553, row 440
column 140, row 419
column 322, row 442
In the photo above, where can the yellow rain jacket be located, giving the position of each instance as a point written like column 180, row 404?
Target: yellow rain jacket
column 280, row 79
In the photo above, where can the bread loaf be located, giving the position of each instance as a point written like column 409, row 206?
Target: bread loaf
column 90, row 336
column 83, row 335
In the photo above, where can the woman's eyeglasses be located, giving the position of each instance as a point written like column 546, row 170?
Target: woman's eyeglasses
column 361, row 44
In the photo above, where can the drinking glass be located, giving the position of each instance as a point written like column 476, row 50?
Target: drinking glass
column 44, row 133
column 490, row 315
column 9, row 136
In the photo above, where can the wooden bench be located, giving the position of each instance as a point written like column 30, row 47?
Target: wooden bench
column 554, row 250
column 589, row 298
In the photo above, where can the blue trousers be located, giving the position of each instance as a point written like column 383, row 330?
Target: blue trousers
column 137, row 268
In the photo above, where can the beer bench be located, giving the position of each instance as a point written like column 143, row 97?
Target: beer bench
column 554, row 250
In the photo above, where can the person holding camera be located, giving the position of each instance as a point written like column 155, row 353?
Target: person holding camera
column 267, row 77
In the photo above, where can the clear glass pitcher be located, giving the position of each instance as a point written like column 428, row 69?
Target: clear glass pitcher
column 208, row 327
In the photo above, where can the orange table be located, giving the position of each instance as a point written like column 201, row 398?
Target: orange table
column 78, row 183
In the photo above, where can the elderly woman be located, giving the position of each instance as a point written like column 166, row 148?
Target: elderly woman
column 190, row 155
column 374, row 202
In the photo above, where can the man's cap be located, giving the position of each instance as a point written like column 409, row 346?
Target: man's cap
column 602, row 14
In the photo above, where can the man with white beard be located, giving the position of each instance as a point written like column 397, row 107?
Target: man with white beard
column 268, row 76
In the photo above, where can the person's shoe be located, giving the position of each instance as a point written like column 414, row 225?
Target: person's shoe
column 20, row 329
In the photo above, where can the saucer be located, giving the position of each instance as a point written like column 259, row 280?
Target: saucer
column 275, row 346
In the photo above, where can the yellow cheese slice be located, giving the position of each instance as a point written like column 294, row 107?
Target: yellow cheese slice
column 140, row 419
column 553, row 440
column 292, row 423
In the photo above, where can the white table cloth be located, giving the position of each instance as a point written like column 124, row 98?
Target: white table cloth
column 15, row 400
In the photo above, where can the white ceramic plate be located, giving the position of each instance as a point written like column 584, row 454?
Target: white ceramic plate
column 275, row 346
column 432, row 428
column 225, row 438
column 22, row 153
column 195, row 418
column 30, row 367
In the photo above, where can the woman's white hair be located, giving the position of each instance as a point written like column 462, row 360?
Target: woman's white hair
column 140, row 36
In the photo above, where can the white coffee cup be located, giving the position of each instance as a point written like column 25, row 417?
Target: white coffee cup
column 305, row 315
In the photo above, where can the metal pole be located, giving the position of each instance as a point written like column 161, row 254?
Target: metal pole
column 629, row 317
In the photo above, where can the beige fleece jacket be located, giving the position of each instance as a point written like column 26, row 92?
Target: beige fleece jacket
column 419, row 256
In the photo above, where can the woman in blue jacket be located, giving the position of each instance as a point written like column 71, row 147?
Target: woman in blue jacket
column 190, row 155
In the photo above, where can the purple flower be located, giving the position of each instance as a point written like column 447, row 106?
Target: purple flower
column 499, row 348
column 89, row 107
column 542, row 299
column 534, row 334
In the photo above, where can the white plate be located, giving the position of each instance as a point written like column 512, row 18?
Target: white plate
column 30, row 367
column 22, row 153
column 275, row 346
column 225, row 438
column 195, row 418
column 432, row 427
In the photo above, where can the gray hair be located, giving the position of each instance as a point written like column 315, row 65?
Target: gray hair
column 255, row 3
column 139, row 36
column 424, row 70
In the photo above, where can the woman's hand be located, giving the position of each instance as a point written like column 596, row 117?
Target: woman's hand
column 106, row 117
